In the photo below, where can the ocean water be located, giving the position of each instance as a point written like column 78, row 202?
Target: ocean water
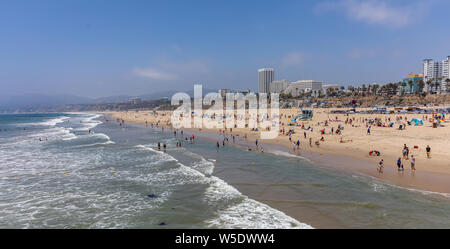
column 55, row 174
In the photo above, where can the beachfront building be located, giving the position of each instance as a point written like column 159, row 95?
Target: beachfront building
column 265, row 77
column 445, row 73
column 331, row 88
column 244, row 91
column 436, row 72
column 411, row 83
column 223, row 92
column 136, row 101
column 304, row 86
column 278, row 86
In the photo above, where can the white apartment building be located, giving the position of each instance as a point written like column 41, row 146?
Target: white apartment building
column 304, row 86
column 265, row 77
column 278, row 86
column 437, row 70
column 136, row 101
column 223, row 92
column 446, row 68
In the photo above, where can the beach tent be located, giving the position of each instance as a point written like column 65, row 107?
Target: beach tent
column 417, row 121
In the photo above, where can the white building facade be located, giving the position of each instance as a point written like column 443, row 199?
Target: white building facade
column 278, row 86
column 437, row 71
column 304, row 86
column 265, row 77
column 446, row 68
column 223, row 92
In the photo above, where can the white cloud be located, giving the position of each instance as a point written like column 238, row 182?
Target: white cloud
column 378, row 12
column 170, row 70
column 152, row 73
column 292, row 58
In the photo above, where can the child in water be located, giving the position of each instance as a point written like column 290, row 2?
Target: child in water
column 380, row 166
column 399, row 164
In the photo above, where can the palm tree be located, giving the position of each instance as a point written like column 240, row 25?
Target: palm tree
column 439, row 82
column 433, row 84
column 410, row 84
column 364, row 88
column 429, row 82
column 420, row 85
column 447, row 85
column 351, row 89
column 375, row 88
column 402, row 84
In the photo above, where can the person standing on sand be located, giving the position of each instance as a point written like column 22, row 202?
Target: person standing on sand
column 310, row 142
column 428, row 152
column 380, row 167
column 368, row 131
column 304, row 134
column 413, row 162
column 256, row 142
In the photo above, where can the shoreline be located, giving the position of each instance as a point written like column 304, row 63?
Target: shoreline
column 287, row 202
column 347, row 162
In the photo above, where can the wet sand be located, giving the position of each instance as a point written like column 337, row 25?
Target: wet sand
column 351, row 157
column 282, row 196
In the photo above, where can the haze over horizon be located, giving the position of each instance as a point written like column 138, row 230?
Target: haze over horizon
column 102, row 48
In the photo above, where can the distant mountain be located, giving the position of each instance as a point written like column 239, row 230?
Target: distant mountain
column 112, row 99
column 31, row 102
column 39, row 102
column 169, row 94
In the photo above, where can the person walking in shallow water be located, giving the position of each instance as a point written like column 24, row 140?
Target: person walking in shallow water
column 413, row 162
column 399, row 164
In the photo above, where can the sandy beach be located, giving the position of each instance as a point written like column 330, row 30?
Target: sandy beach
column 348, row 151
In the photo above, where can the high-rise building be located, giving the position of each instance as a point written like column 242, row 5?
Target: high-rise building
column 437, row 71
column 446, row 68
column 278, row 86
column 265, row 77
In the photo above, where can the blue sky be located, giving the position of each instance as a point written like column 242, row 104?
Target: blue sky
column 100, row 48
